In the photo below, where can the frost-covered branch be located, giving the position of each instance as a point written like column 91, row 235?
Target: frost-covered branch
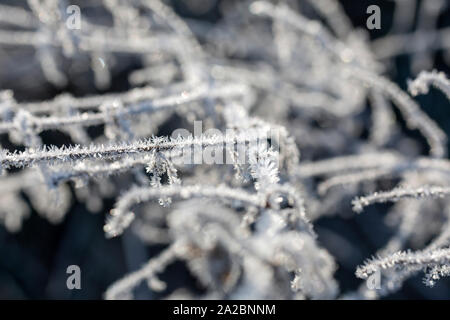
column 121, row 289
column 415, row 118
column 140, row 105
column 121, row 216
column 53, row 155
column 406, row 262
column 400, row 193
column 425, row 79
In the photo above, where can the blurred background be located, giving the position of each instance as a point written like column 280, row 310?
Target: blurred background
column 33, row 261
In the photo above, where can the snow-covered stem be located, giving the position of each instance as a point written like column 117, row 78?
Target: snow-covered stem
column 397, row 44
column 141, row 106
column 424, row 80
column 413, row 261
column 335, row 16
column 390, row 169
column 415, row 118
column 337, row 165
column 310, row 27
column 100, row 170
column 400, row 193
column 121, row 217
column 53, row 155
column 353, row 178
column 16, row 16
column 132, row 96
column 383, row 118
column 122, row 289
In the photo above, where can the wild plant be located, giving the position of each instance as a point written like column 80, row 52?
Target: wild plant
column 283, row 91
